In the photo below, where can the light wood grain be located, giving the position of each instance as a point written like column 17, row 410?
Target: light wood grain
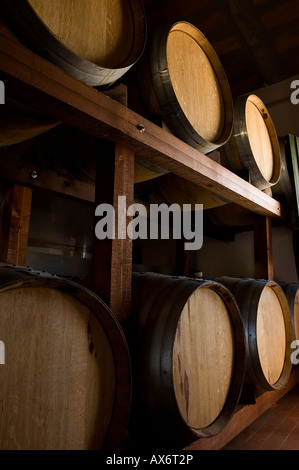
column 203, row 358
column 259, row 138
column 144, row 172
column 191, row 87
column 254, row 146
column 195, row 84
column 244, row 417
column 100, row 31
column 59, row 378
column 271, row 335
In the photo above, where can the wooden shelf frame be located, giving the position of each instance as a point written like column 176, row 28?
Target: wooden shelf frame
column 39, row 84
column 34, row 81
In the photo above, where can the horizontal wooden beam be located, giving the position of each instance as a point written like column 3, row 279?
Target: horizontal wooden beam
column 34, row 81
column 31, row 175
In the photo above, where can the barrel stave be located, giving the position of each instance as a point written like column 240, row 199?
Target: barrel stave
column 249, row 297
column 163, row 363
column 67, row 366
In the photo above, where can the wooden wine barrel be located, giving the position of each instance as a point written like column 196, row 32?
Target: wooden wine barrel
column 172, row 189
column 284, row 189
column 254, row 143
column 291, row 291
column 144, row 171
column 169, row 188
column 186, row 85
column 18, row 123
column 66, row 382
column 268, row 330
column 189, row 358
column 230, row 215
column 96, row 41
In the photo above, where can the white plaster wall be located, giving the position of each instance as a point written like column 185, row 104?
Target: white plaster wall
column 236, row 259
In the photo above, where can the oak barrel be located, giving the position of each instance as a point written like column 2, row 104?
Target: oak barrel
column 254, row 145
column 286, row 190
column 268, row 330
column 291, row 291
column 186, row 85
column 172, row 189
column 18, row 123
column 189, row 357
column 230, row 215
column 145, row 171
column 66, row 382
column 96, row 41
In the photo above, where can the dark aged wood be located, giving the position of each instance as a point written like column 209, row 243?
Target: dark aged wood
column 13, row 168
column 263, row 255
column 15, row 226
column 253, row 33
column 112, row 258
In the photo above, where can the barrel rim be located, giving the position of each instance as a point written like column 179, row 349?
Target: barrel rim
column 287, row 366
column 243, row 145
column 162, row 339
column 291, row 290
column 238, row 374
column 27, row 122
column 13, row 276
column 33, row 31
column 248, row 306
column 168, row 102
column 285, row 188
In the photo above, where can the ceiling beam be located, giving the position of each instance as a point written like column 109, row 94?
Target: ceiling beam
column 254, row 35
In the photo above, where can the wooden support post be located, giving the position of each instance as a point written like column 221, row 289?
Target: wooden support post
column 15, row 225
column 112, row 260
column 263, row 248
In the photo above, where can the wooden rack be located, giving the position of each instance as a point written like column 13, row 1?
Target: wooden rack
column 35, row 82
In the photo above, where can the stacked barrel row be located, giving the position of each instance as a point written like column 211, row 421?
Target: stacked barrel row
column 71, row 377
column 72, row 380
column 197, row 107
column 201, row 345
column 179, row 79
